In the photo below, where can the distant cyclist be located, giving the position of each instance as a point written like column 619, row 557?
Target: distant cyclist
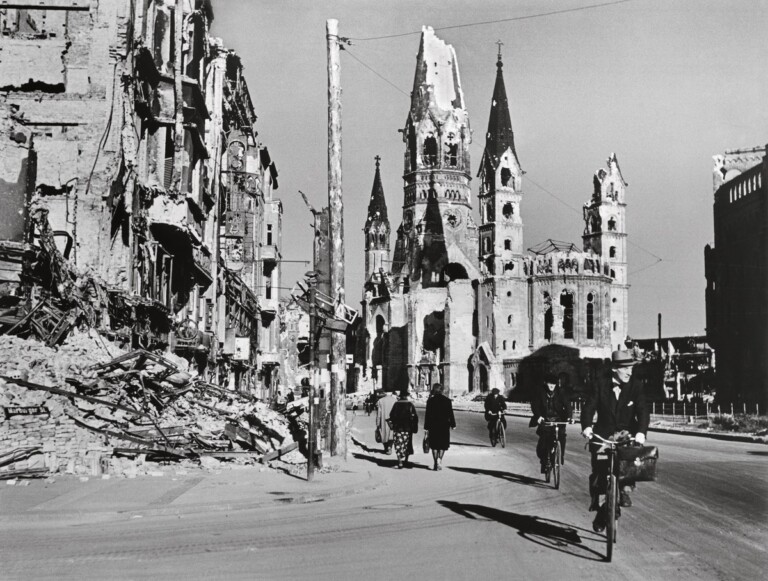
column 494, row 405
column 549, row 404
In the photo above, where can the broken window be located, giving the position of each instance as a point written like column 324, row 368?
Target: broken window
column 505, row 175
column 412, row 148
column 168, row 158
column 509, row 267
column 612, row 224
column 612, row 252
column 489, row 213
column 566, row 301
column 590, row 316
column 508, row 210
column 269, row 234
column 452, row 154
column 548, row 317
column 430, row 152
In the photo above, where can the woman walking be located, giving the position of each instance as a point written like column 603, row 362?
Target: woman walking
column 438, row 423
column 405, row 423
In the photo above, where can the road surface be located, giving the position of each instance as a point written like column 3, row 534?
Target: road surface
column 487, row 513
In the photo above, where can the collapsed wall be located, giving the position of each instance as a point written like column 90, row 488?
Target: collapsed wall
column 89, row 408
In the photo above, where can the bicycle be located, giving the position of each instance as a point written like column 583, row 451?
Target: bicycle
column 555, row 455
column 498, row 433
column 608, row 448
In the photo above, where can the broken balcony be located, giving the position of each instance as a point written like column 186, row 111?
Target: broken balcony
column 177, row 215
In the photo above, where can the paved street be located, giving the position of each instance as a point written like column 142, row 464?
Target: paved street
column 488, row 512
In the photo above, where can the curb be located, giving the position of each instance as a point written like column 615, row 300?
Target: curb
column 713, row 435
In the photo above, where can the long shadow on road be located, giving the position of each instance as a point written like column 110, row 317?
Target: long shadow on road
column 511, row 477
column 545, row 532
column 388, row 463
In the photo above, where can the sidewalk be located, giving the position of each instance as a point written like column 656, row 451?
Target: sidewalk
column 656, row 425
column 172, row 490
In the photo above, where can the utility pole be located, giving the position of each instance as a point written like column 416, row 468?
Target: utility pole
column 338, row 419
column 312, row 412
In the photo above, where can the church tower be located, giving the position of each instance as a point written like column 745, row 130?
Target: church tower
column 503, row 301
column 605, row 234
column 437, row 211
column 376, row 230
column 501, row 225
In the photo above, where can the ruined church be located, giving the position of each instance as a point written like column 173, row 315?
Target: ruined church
column 462, row 302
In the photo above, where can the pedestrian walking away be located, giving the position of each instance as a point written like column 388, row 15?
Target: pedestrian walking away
column 620, row 406
column 404, row 423
column 438, row 423
column 383, row 407
column 549, row 404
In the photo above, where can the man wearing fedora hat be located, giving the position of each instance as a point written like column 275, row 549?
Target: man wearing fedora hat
column 620, row 407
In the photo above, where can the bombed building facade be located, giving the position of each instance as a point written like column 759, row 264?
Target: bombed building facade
column 135, row 196
column 736, row 268
column 462, row 302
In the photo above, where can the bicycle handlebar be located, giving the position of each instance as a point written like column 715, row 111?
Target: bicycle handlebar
column 548, row 423
column 613, row 443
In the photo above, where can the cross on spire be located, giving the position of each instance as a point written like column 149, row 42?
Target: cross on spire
column 378, row 159
column 500, row 45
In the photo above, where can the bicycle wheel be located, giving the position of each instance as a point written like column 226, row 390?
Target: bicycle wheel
column 556, row 465
column 502, row 435
column 610, row 518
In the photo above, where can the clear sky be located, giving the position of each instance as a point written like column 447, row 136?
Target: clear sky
column 665, row 84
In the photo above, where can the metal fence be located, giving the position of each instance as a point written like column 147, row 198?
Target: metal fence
column 676, row 412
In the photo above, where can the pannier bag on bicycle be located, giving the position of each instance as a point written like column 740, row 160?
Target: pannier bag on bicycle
column 637, row 463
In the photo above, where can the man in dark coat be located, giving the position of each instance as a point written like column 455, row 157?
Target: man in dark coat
column 494, row 404
column 620, row 407
column 549, row 404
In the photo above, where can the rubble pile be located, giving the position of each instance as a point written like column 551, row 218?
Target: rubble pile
column 89, row 408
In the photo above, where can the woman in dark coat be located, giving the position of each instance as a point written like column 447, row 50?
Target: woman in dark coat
column 404, row 423
column 438, row 423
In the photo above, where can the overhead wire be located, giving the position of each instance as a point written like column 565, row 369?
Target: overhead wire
column 499, row 20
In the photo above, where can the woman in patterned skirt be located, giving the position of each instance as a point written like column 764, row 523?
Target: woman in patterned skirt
column 405, row 423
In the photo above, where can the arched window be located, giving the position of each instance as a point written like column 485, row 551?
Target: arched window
column 612, row 224
column 505, row 175
column 489, row 214
column 612, row 252
column 430, row 152
column 548, row 317
column 509, row 319
column 452, row 154
column 590, row 316
column 508, row 211
column 504, row 345
column 566, row 301
column 507, row 244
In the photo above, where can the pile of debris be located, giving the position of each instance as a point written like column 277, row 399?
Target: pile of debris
column 88, row 408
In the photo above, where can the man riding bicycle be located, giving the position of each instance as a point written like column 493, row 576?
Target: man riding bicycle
column 549, row 404
column 494, row 408
column 620, row 407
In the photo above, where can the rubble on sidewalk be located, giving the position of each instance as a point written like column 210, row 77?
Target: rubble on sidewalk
column 88, row 408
